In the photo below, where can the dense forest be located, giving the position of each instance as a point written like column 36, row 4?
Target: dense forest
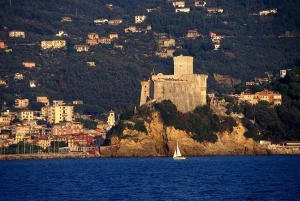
column 253, row 44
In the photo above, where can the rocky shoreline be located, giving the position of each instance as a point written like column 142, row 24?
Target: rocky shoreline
column 160, row 141
column 107, row 154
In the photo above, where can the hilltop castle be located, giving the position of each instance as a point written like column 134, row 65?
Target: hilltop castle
column 185, row 89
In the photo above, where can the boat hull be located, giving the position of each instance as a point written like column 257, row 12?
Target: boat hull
column 179, row 158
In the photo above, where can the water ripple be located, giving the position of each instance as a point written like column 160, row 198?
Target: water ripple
column 201, row 178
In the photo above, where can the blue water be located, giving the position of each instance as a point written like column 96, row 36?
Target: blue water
column 199, row 178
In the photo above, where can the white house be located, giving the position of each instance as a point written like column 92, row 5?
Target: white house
column 182, row 10
column 140, row 18
column 179, row 4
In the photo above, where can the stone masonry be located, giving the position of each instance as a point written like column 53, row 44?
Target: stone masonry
column 185, row 89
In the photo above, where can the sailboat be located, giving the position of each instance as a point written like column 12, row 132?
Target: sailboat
column 177, row 155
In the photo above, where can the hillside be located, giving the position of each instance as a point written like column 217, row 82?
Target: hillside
column 252, row 45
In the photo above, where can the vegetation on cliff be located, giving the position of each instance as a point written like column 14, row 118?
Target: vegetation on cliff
column 266, row 122
column 201, row 123
column 128, row 119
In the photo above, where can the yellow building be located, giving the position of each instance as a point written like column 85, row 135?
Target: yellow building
column 271, row 97
column 26, row 115
column 139, row 19
column 60, row 113
column 44, row 142
column 113, row 36
column 100, row 21
column 42, row 99
column 166, row 42
column 215, row 10
column 21, row 103
column 66, row 19
column 91, row 63
column 21, row 132
column 81, row 48
column 18, row 76
column 267, row 12
column 4, row 120
column 104, row 40
column 28, row 64
column 115, row 22
column 44, row 112
column 179, row 4
column 165, row 53
column 131, row 29
column 247, row 97
column 182, row 10
column 58, row 102
column 192, row 33
column 17, row 34
column 53, row 44
column 77, row 102
column 93, row 35
column 200, row 3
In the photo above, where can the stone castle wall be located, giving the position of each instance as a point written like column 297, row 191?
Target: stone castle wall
column 185, row 89
column 186, row 95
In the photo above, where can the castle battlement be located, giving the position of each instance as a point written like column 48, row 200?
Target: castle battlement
column 185, row 89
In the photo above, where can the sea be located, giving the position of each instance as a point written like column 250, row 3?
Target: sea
column 196, row 178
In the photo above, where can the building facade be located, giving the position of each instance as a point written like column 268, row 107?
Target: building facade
column 200, row 3
column 67, row 128
column 113, row 36
column 53, row 44
column 26, row 115
column 60, row 113
column 81, row 48
column 179, row 4
column 139, row 19
column 93, row 35
column 272, row 97
column 43, row 99
column 16, row 34
column 28, row 64
column 21, row 103
column 182, row 10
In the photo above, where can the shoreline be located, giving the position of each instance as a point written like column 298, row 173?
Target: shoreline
column 39, row 156
column 42, row 156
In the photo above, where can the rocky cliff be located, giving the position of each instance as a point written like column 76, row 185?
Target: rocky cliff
column 226, row 81
column 161, row 141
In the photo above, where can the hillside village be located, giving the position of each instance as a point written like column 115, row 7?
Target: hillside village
column 43, row 106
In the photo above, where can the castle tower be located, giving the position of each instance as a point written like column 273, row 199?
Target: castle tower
column 183, row 65
column 145, row 91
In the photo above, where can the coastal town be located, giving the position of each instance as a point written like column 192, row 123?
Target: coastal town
column 54, row 125
column 54, row 128
column 38, row 123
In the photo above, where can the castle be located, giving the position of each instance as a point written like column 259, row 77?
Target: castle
column 185, row 89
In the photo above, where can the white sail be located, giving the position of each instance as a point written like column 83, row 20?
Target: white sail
column 177, row 155
column 178, row 151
